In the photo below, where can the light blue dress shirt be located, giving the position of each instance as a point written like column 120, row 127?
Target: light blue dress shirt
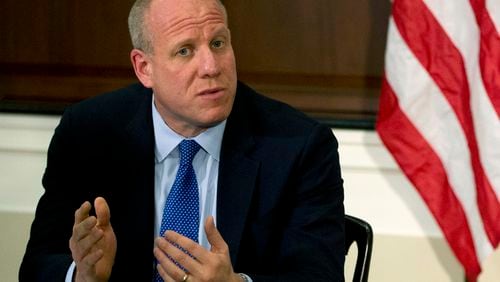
column 205, row 164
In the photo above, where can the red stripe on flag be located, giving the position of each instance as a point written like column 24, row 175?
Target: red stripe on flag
column 439, row 56
column 425, row 170
column 489, row 57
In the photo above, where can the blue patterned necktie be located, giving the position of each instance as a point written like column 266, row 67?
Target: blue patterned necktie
column 181, row 212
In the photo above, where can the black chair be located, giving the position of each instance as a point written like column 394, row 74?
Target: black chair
column 359, row 231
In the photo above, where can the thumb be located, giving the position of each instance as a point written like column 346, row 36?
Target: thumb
column 214, row 238
column 102, row 212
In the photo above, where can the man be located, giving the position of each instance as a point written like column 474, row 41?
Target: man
column 270, row 204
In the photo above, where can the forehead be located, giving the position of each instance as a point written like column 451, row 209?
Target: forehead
column 173, row 16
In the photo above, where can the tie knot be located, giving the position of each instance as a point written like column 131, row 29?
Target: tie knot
column 188, row 149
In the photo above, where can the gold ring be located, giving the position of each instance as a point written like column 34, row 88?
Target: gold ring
column 185, row 277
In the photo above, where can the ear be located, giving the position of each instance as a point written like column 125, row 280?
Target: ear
column 142, row 67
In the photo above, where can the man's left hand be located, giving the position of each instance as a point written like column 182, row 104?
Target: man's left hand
column 200, row 264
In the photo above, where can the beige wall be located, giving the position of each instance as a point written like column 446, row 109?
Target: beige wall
column 408, row 246
column 13, row 238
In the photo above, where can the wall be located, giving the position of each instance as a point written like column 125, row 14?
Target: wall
column 23, row 145
column 317, row 61
column 408, row 246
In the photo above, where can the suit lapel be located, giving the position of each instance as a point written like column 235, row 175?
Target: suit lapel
column 237, row 179
column 139, row 150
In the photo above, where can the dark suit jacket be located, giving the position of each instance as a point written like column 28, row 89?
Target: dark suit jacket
column 279, row 202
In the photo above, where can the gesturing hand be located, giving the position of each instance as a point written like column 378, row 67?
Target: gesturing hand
column 93, row 242
column 201, row 264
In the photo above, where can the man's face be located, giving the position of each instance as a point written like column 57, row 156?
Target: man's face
column 192, row 70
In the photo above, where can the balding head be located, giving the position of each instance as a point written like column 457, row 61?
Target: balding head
column 138, row 26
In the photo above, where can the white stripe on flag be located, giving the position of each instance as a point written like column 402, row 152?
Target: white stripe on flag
column 423, row 102
column 458, row 20
column 493, row 7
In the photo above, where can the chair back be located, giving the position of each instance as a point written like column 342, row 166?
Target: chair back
column 359, row 231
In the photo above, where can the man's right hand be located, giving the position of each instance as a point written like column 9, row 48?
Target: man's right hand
column 93, row 242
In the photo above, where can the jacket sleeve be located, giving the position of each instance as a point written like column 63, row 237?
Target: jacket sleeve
column 312, row 244
column 47, row 256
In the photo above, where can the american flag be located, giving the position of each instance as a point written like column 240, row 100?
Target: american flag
column 439, row 116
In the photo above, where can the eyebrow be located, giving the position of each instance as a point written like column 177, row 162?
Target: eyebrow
column 220, row 31
column 223, row 30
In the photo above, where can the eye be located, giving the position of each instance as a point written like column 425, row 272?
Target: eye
column 184, row 52
column 217, row 44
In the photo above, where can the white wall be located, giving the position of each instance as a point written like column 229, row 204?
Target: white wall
column 408, row 245
column 23, row 145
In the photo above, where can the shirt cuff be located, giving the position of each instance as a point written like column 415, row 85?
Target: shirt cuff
column 69, row 274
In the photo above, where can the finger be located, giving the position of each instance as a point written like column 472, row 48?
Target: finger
column 214, row 238
column 102, row 211
column 81, row 248
column 170, row 268
column 185, row 243
column 164, row 274
column 84, row 228
column 90, row 260
column 89, row 241
column 184, row 260
column 82, row 212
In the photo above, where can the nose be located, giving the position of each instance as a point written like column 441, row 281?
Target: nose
column 209, row 63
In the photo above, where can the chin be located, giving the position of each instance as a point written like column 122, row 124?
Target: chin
column 213, row 121
column 216, row 115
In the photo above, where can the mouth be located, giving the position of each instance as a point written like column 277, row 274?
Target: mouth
column 213, row 93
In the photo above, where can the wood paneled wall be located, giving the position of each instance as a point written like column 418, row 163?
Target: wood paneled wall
column 322, row 56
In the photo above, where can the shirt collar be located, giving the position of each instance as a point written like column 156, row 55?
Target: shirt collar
column 166, row 140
